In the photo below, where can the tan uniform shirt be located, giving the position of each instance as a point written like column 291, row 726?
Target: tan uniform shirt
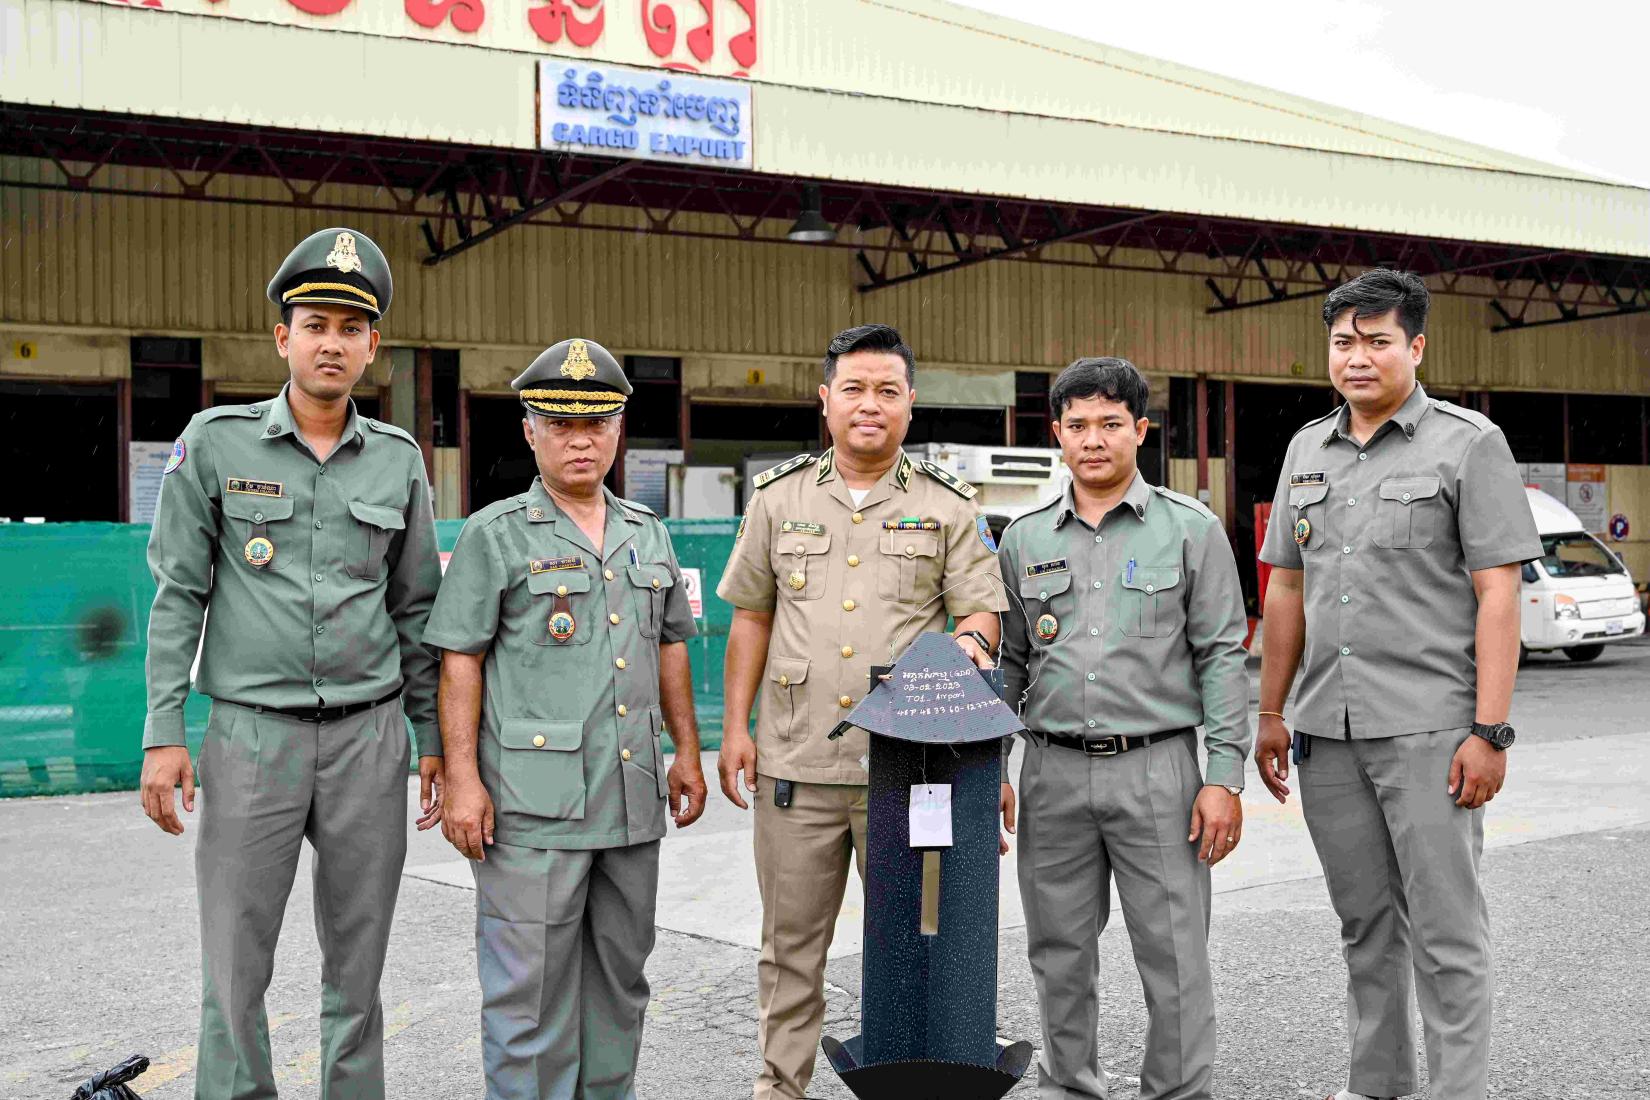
column 849, row 588
column 1388, row 534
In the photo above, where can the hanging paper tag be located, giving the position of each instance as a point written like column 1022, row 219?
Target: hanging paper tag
column 930, row 815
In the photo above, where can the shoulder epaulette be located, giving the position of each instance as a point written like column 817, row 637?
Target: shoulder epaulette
column 218, row 412
column 948, row 479
column 637, row 506
column 1477, row 420
column 498, row 508
column 774, row 473
column 389, row 429
column 1184, row 501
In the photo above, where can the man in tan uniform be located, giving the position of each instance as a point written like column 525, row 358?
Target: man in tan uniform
column 839, row 564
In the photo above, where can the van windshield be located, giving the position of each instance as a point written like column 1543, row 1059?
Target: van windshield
column 1576, row 555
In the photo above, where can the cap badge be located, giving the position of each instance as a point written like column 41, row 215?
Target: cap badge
column 343, row 255
column 577, row 365
column 1047, row 627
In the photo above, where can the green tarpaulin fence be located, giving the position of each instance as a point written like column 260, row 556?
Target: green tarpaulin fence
column 74, row 616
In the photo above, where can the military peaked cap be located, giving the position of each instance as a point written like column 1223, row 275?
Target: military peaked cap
column 575, row 379
column 335, row 267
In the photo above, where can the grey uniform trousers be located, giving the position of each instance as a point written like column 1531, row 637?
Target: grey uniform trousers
column 562, row 936
column 1083, row 821
column 1401, row 862
column 267, row 782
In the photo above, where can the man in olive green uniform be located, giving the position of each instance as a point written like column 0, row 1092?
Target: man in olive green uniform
column 1127, row 634
column 562, row 624
column 839, row 564
column 306, row 531
column 1396, row 537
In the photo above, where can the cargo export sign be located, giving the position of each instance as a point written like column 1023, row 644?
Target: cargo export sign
column 621, row 112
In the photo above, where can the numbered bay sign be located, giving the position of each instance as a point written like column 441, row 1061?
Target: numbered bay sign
column 929, row 990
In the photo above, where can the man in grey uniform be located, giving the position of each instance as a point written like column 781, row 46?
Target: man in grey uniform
column 307, row 530
column 563, row 624
column 1396, row 537
column 1128, row 632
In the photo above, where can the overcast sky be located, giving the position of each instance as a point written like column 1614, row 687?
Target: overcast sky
column 1560, row 82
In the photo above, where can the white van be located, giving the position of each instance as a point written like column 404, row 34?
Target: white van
column 1578, row 596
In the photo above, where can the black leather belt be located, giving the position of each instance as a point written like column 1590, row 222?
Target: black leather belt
column 323, row 714
column 1109, row 746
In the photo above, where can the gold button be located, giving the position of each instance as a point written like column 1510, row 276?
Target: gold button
column 784, row 681
column 623, row 710
column 538, row 741
column 847, row 651
column 624, row 754
column 853, row 560
column 848, row 605
column 610, row 574
column 613, row 618
column 619, row 663
column 800, row 549
column 844, row 702
column 910, row 551
column 561, row 590
column 655, row 582
column 859, row 517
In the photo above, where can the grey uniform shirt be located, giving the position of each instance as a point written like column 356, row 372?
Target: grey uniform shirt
column 569, row 741
column 1388, row 535
column 1132, row 627
column 335, row 613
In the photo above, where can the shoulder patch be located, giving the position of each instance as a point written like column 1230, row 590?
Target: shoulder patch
column 1184, row 501
column 1477, row 420
column 388, row 429
column 948, row 479
column 774, row 473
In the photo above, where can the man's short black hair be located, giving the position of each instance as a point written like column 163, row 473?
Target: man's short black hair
column 286, row 317
column 869, row 338
column 1376, row 292
column 1108, row 377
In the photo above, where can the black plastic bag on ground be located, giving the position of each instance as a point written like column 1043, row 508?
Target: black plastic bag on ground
column 111, row 1083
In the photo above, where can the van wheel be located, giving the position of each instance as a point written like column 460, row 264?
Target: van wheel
column 1583, row 652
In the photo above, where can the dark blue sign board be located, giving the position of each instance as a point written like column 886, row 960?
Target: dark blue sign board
column 928, row 1009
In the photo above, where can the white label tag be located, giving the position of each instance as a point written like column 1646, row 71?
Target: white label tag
column 930, row 815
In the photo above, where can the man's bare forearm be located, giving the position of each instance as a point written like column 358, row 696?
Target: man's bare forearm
column 747, row 655
column 1283, row 637
column 1496, row 640
column 676, row 698
column 459, row 703
column 983, row 621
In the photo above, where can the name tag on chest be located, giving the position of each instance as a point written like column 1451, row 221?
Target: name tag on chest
column 253, row 488
column 1316, row 477
column 550, row 565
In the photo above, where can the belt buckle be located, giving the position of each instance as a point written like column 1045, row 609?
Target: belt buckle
column 1091, row 747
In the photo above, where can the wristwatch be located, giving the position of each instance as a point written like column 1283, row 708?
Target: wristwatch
column 979, row 640
column 1498, row 734
column 1235, row 792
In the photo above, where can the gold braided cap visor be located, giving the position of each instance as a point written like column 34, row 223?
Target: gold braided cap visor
column 574, row 402
column 308, row 290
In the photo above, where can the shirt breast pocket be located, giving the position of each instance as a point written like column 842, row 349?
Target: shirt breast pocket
column 376, row 525
column 1150, row 606
column 258, row 532
column 561, row 607
column 541, row 768
column 911, row 565
column 1309, row 515
column 800, row 565
column 1408, row 511
column 1048, row 598
column 651, row 583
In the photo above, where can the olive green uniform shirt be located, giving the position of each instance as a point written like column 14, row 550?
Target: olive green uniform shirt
column 569, row 742
column 849, row 589
column 1129, row 628
column 1387, row 535
column 336, row 614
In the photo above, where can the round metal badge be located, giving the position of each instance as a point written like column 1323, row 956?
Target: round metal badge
column 798, row 581
column 1303, row 531
column 562, row 625
column 259, row 552
column 1047, row 627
